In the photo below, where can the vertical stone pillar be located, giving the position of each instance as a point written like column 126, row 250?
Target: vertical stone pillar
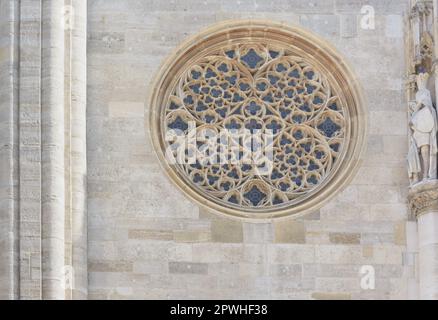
column 79, row 148
column 29, row 124
column 52, row 144
column 9, row 149
column 423, row 199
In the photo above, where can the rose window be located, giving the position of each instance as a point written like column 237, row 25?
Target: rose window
column 255, row 126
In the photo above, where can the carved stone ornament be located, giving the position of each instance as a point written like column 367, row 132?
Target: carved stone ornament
column 423, row 198
column 426, row 46
column 257, row 76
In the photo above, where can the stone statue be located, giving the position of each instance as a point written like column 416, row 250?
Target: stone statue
column 422, row 156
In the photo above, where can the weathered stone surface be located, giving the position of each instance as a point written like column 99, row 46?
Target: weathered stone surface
column 185, row 267
column 150, row 234
column 192, row 236
column 349, row 25
column 344, row 238
column 224, row 230
column 111, row 266
column 142, row 231
column 331, row 296
column 291, row 231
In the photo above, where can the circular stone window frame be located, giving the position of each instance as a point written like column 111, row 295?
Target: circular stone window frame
column 320, row 53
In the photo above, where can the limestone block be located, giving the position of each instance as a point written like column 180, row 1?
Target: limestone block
column 377, row 238
column 284, row 285
column 400, row 233
column 180, row 252
column 344, row 238
column 253, row 269
column 106, row 42
column 331, row 296
column 349, row 25
column 214, row 253
column 387, row 254
column 375, row 145
column 258, row 232
column 330, row 270
column 162, row 235
column 382, row 99
column 385, row 212
column 338, row 254
column 317, row 237
column 388, row 123
column 287, row 271
column 290, row 231
column 126, row 109
column 394, row 26
column 290, row 254
column 223, row 269
column 381, row 7
column 191, row 236
column 341, row 211
column 185, row 267
column 381, row 176
column 111, row 266
column 325, row 25
column 395, row 145
column 379, row 194
column 224, row 230
column 150, row 267
column 255, row 254
column 338, row 285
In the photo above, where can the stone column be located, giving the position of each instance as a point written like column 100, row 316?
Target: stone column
column 52, row 133
column 29, row 124
column 9, row 149
column 79, row 148
column 423, row 199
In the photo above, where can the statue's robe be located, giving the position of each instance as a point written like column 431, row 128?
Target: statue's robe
column 414, row 164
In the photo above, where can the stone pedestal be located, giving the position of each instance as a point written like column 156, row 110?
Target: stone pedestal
column 423, row 200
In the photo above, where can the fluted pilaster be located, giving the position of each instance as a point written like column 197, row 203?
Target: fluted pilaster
column 79, row 148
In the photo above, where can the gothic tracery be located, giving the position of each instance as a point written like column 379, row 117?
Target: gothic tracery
column 259, row 87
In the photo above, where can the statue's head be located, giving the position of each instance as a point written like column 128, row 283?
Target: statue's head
column 423, row 95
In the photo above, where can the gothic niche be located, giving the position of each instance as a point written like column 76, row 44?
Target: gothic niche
column 262, row 85
column 422, row 155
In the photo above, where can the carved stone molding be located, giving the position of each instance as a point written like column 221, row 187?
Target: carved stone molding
column 410, row 82
column 423, row 197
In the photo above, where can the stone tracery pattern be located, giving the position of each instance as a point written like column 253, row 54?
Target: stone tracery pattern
column 254, row 86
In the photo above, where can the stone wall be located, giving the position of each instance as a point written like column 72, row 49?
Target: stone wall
column 146, row 240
